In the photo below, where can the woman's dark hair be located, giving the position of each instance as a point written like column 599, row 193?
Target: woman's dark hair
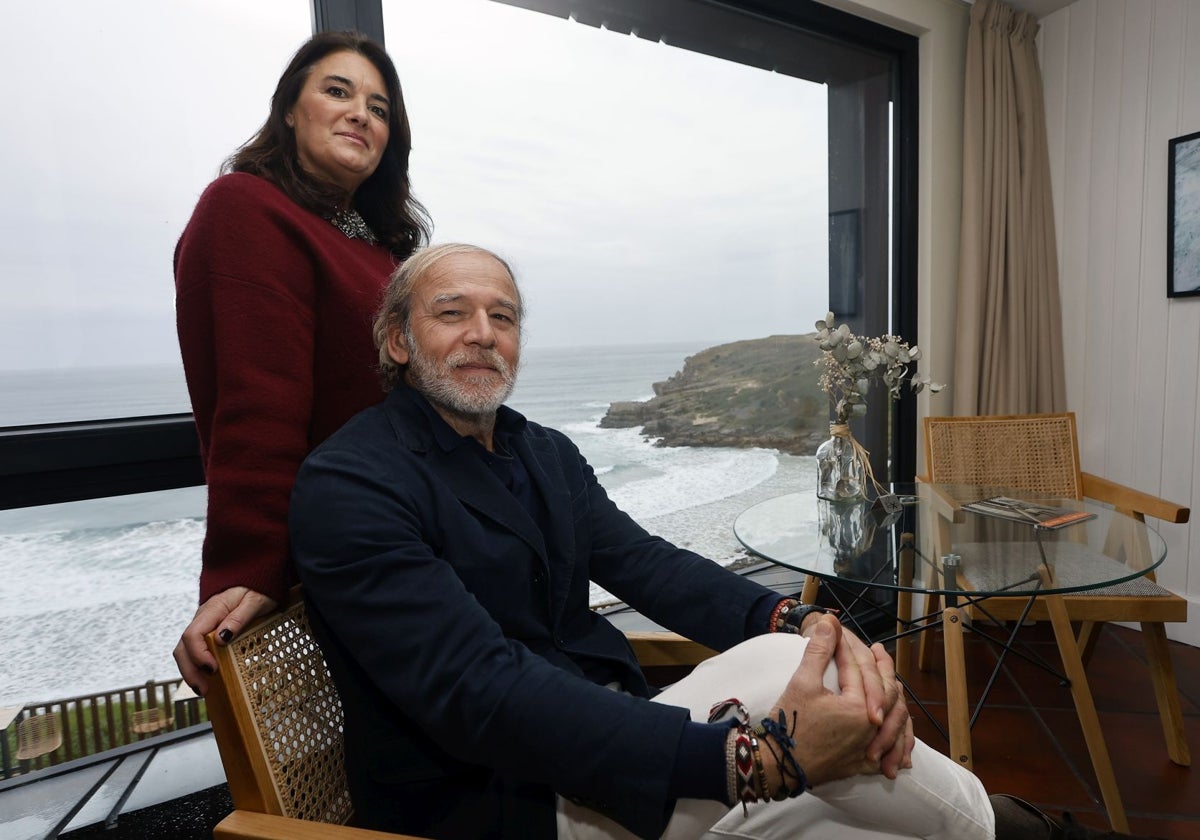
column 384, row 200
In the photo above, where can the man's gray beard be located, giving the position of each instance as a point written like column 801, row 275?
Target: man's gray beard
column 432, row 378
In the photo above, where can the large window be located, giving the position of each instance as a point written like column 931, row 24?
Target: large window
column 666, row 178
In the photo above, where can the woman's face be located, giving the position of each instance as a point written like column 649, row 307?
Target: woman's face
column 341, row 120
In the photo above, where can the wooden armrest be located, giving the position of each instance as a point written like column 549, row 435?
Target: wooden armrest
column 658, row 648
column 939, row 501
column 247, row 825
column 1130, row 501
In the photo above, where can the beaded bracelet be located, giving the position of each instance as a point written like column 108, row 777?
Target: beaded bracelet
column 789, row 614
column 764, row 786
column 777, row 622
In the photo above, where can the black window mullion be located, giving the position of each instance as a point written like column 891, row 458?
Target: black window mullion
column 365, row 16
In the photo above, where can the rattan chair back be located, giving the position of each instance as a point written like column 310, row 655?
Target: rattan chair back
column 1034, row 452
column 38, row 735
column 278, row 721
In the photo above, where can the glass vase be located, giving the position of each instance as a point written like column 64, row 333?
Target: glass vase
column 847, row 530
column 840, row 472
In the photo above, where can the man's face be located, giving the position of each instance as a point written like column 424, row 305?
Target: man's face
column 462, row 343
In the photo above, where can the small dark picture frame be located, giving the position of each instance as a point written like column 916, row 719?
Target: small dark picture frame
column 1183, row 216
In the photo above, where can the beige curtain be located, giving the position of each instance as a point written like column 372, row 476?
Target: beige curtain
column 1008, row 346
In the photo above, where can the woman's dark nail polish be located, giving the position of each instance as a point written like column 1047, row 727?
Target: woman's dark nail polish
column 226, row 634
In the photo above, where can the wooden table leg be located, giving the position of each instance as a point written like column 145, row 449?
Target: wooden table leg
column 808, row 595
column 958, row 711
column 1085, row 707
column 1158, row 654
column 904, row 600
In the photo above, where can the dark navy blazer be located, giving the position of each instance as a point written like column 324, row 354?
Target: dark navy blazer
column 459, row 633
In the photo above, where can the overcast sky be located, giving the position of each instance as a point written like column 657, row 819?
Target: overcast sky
column 643, row 193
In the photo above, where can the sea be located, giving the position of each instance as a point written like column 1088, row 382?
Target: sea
column 93, row 595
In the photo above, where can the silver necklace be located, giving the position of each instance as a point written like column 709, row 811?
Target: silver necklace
column 352, row 225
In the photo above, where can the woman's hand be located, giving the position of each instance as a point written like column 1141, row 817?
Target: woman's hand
column 227, row 612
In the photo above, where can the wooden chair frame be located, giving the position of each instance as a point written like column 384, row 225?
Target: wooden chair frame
column 284, row 765
column 1040, row 453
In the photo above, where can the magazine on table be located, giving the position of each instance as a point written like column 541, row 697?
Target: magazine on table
column 1031, row 513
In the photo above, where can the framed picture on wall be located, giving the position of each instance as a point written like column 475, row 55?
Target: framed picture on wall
column 1183, row 216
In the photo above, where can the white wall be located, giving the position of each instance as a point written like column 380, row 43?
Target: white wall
column 1121, row 78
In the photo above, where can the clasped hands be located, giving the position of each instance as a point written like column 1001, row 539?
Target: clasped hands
column 864, row 729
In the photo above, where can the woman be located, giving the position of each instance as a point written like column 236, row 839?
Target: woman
column 278, row 274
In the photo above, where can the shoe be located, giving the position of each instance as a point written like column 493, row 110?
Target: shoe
column 1016, row 819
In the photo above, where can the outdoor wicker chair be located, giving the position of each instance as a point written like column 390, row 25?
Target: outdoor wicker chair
column 149, row 721
column 38, row 735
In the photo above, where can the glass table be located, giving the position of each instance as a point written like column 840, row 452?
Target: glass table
column 967, row 568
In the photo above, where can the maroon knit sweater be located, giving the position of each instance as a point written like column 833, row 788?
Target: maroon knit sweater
column 274, row 307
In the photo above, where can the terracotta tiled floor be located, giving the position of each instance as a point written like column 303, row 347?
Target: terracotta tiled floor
column 1027, row 740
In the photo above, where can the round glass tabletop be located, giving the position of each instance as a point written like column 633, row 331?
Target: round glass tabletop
column 992, row 550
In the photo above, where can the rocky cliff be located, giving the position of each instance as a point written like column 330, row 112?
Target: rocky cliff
column 761, row 392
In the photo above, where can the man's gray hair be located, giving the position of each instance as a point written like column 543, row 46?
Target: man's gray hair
column 397, row 299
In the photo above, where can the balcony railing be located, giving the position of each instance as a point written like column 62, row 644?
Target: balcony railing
column 92, row 723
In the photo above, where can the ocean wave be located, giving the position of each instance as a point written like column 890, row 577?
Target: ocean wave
column 689, row 477
column 98, row 566
column 97, row 646
column 583, row 427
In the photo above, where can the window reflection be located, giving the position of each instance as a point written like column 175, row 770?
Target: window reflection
column 96, row 592
column 127, row 110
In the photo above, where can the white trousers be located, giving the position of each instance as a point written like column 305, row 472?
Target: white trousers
column 936, row 799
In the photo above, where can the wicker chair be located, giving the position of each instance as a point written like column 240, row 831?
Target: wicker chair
column 38, row 735
column 278, row 724
column 149, row 721
column 1040, row 453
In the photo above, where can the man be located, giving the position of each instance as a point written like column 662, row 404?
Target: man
column 446, row 545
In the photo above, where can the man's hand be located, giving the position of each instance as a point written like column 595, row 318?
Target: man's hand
column 893, row 744
column 833, row 732
column 226, row 612
column 872, row 672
